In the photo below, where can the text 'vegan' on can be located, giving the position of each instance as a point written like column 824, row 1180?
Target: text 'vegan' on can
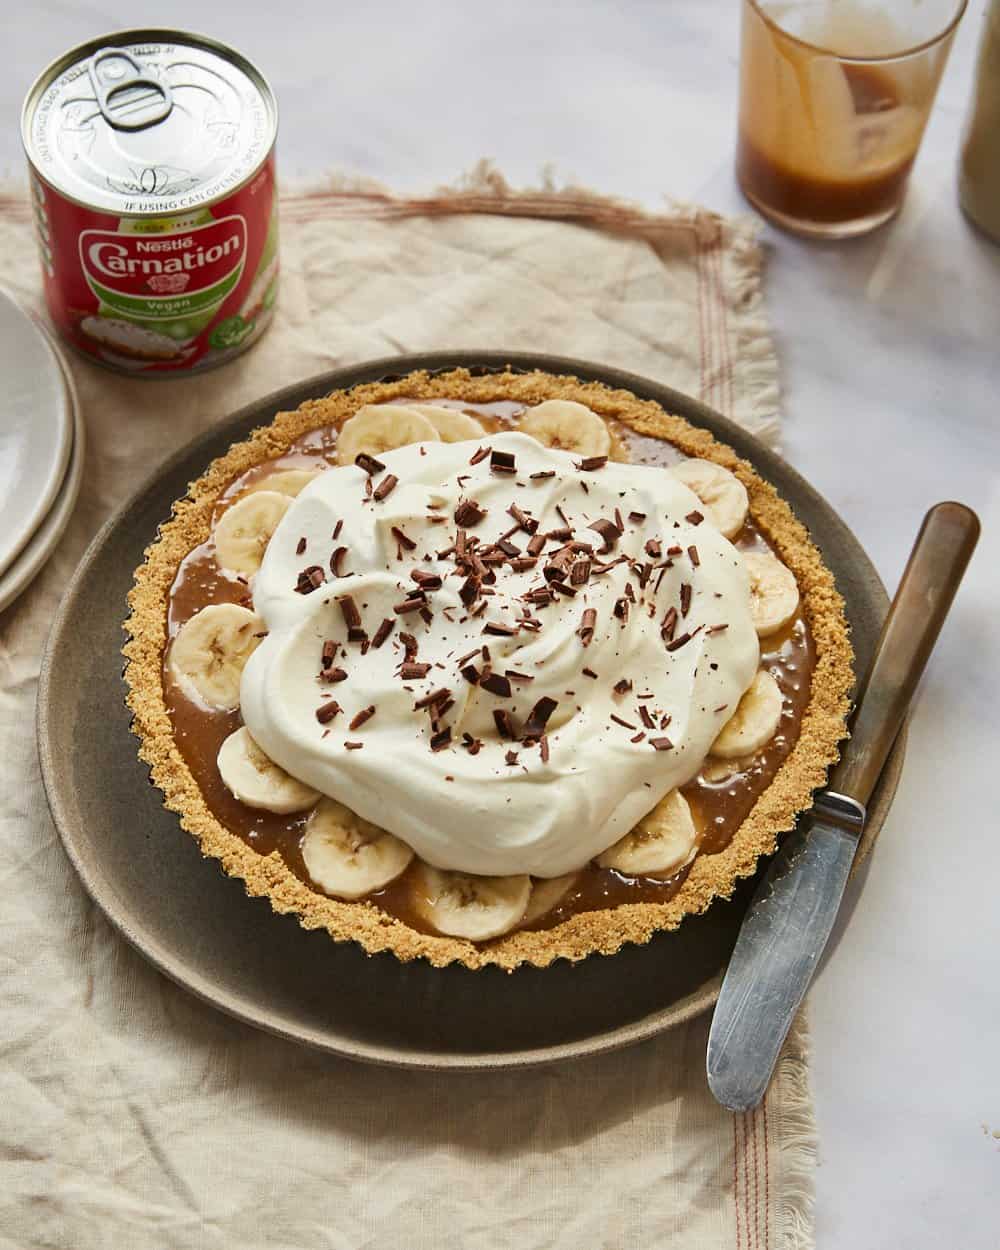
column 153, row 188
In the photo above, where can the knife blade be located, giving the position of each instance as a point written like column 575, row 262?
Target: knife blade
column 794, row 907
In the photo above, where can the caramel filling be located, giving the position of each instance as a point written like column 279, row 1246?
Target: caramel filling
column 720, row 800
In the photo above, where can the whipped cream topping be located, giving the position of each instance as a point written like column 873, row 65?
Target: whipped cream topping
column 506, row 657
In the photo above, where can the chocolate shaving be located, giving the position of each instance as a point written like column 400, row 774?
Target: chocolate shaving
column 300, row 546
column 310, row 579
column 336, row 530
column 413, row 604
column 383, row 632
column 621, row 610
column 441, row 739
column 525, row 522
column 535, row 544
column 349, row 611
column 468, row 592
column 589, row 672
column 538, row 717
column 467, row 514
column 716, row 629
column 362, row 717
column 426, row 581
column 368, row 463
column 508, row 548
column 564, row 589
column 644, row 715
column 329, row 653
column 514, row 675
column 435, row 696
column 387, row 485
column 665, row 720
column 479, row 454
column 623, row 686
column 537, row 477
column 683, row 640
column 669, row 625
column 495, row 684
column 637, row 517
column 544, row 745
column 410, row 643
column 470, row 673
column 592, row 462
column 587, row 624
column 333, row 674
column 639, row 737
column 411, row 671
column 653, row 548
column 502, row 631
column 695, row 518
column 502, row 462
column 674, row 551
column 685, row 598
column 693, row 554
column 404, row 540
column 335, row 560
column 624, row 723
column 523, row 564
column 608, row 531
column 327, row 711
column 661, row 744
column 504, row 723
column 580, row 572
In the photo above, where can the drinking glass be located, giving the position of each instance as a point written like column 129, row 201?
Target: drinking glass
column 834, row 97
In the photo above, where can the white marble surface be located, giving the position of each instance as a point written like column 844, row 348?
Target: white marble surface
column 889, row 351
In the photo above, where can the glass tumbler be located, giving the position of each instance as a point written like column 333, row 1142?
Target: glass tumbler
column 834, row 98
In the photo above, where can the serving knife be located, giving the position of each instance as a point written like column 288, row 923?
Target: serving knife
column 792, row 912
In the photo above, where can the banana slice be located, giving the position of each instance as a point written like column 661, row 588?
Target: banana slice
column 661, row 843
column 245, row 528
column 755, row 721
column 452, row 426
column 285, row 481
column 347, row 856
column 567, row 425
column 774, row 595
column 256, row 780
column 470, row 907
column 208, row 654
column 376, row 428
column 546, row 893
column 723, row 494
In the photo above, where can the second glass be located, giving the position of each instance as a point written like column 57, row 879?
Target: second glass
column 834, row 98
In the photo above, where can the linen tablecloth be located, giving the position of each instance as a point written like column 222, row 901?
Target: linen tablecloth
column 134, row 1116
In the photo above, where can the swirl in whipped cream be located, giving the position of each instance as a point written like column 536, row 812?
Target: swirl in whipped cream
column 505, row 656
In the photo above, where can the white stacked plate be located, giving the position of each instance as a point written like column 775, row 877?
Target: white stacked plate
column 41, row 448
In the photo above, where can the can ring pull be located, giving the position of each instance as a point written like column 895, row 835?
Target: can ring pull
column 129, row 98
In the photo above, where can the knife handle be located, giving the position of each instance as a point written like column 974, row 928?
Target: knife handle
column 937, row 562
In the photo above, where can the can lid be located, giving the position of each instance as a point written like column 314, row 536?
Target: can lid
column 147, row 122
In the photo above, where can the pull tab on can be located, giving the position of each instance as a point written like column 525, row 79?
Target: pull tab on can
column 128, row 97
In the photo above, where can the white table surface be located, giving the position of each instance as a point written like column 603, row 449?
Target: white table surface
column 891, row 375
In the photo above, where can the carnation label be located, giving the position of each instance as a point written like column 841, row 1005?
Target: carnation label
column 152, row 159
column 164, row 278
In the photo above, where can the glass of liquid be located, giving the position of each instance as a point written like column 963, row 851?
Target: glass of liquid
column 834, row 97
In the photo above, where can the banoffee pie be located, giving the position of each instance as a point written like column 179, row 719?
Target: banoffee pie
column 486, row 669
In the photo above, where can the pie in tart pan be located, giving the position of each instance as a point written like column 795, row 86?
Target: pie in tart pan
column 491, row 670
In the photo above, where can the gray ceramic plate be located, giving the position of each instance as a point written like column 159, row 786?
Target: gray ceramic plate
column 198, row 926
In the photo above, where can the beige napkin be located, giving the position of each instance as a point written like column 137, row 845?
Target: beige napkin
column 134, row 1116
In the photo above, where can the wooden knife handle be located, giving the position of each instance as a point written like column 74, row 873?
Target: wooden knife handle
column 937, row 562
